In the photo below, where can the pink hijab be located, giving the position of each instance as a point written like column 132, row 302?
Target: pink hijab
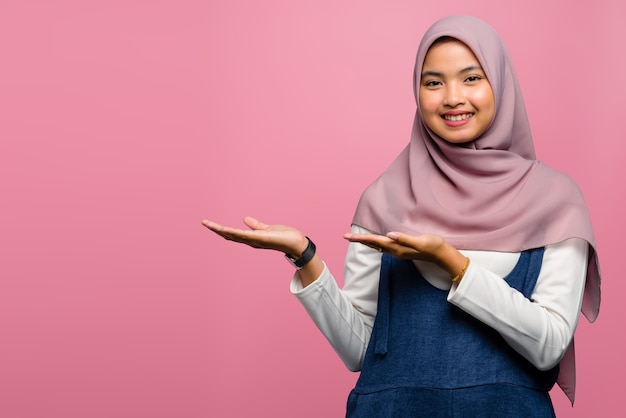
column 489, row 194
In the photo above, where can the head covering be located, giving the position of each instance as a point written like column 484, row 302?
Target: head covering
column 490, row 193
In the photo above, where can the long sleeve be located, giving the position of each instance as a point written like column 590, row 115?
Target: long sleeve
column 540, row 330
column 345, row 316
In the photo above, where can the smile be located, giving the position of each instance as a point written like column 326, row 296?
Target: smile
column 457, row 118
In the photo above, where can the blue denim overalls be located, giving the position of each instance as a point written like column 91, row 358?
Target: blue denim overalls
column 427, row 358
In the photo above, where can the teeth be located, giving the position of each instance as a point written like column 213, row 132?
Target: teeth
column 456, row 118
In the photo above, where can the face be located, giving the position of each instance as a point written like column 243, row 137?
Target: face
column 455, row 97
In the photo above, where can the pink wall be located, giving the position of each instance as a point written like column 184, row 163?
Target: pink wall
column 124, row 123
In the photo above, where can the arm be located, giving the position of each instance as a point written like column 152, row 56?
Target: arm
column 540, row 329
column 345, row 317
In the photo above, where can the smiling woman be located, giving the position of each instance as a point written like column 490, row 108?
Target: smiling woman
column 463, row 285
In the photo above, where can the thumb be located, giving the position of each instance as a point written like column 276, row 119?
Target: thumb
column 394, row 235
column 254, row 223
column 400, row 238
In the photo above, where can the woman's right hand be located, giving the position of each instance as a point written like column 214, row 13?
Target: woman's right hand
column 271, row 237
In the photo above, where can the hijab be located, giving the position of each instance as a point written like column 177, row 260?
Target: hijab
column 490, row 194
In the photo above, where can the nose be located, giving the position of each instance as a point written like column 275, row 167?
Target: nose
column 454, row 95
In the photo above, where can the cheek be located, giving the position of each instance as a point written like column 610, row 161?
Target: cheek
column 428, row 104
column 486, row 100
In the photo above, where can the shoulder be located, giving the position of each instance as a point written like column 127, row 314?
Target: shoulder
column 550, row 178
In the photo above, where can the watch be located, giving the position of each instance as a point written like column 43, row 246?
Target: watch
column 306, row 256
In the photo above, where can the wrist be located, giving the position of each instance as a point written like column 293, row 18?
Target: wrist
column 457, row 278
column 451, row 260
column 304, row 257
column 297, row 251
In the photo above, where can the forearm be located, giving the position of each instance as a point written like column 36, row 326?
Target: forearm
column 541, row 328
column 451, row 260
column 335, row 316
column 344, row 316
column 311, row 271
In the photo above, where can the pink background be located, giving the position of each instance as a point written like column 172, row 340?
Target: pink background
column 124, row 123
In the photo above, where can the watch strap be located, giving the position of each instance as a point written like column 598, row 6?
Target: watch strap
column 306, row 256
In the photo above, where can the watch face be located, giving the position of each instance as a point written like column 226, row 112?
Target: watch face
column 292, row 261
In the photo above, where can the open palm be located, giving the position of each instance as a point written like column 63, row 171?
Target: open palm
column 259, row 235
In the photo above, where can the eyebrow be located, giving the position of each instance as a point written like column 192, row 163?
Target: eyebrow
column 440, row 75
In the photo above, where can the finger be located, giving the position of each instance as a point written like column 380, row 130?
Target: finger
column 406, row 240
column 253, row 223
column 228, row 235
column 364, row 237
column 361, row 238
column 215, row 227
column 350, row 237
column 221, row 229
column 377, row 242
column 231, row 234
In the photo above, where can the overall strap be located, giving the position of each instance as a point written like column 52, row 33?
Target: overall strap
column 384, row 304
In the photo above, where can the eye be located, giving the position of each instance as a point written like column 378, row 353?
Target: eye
column 473, row 78
column 432, row 83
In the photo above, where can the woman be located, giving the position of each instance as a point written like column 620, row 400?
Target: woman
column 477, row 258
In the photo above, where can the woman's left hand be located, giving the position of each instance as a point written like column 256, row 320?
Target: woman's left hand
column 413, row 247
column 427, row 247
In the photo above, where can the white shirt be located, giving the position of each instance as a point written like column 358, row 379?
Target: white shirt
column 540, row 329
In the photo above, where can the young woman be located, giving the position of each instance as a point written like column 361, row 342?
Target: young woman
column 469, row 260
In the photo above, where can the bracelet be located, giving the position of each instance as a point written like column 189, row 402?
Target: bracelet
column 306, row 256
column 459, row 276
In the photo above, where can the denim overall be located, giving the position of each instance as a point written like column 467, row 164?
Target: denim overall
column 428, row 358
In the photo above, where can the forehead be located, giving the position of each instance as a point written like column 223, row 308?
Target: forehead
column 450, row 53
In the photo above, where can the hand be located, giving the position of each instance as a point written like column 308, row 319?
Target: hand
column 421, row 247
column 432, row 248
column 271, row 237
